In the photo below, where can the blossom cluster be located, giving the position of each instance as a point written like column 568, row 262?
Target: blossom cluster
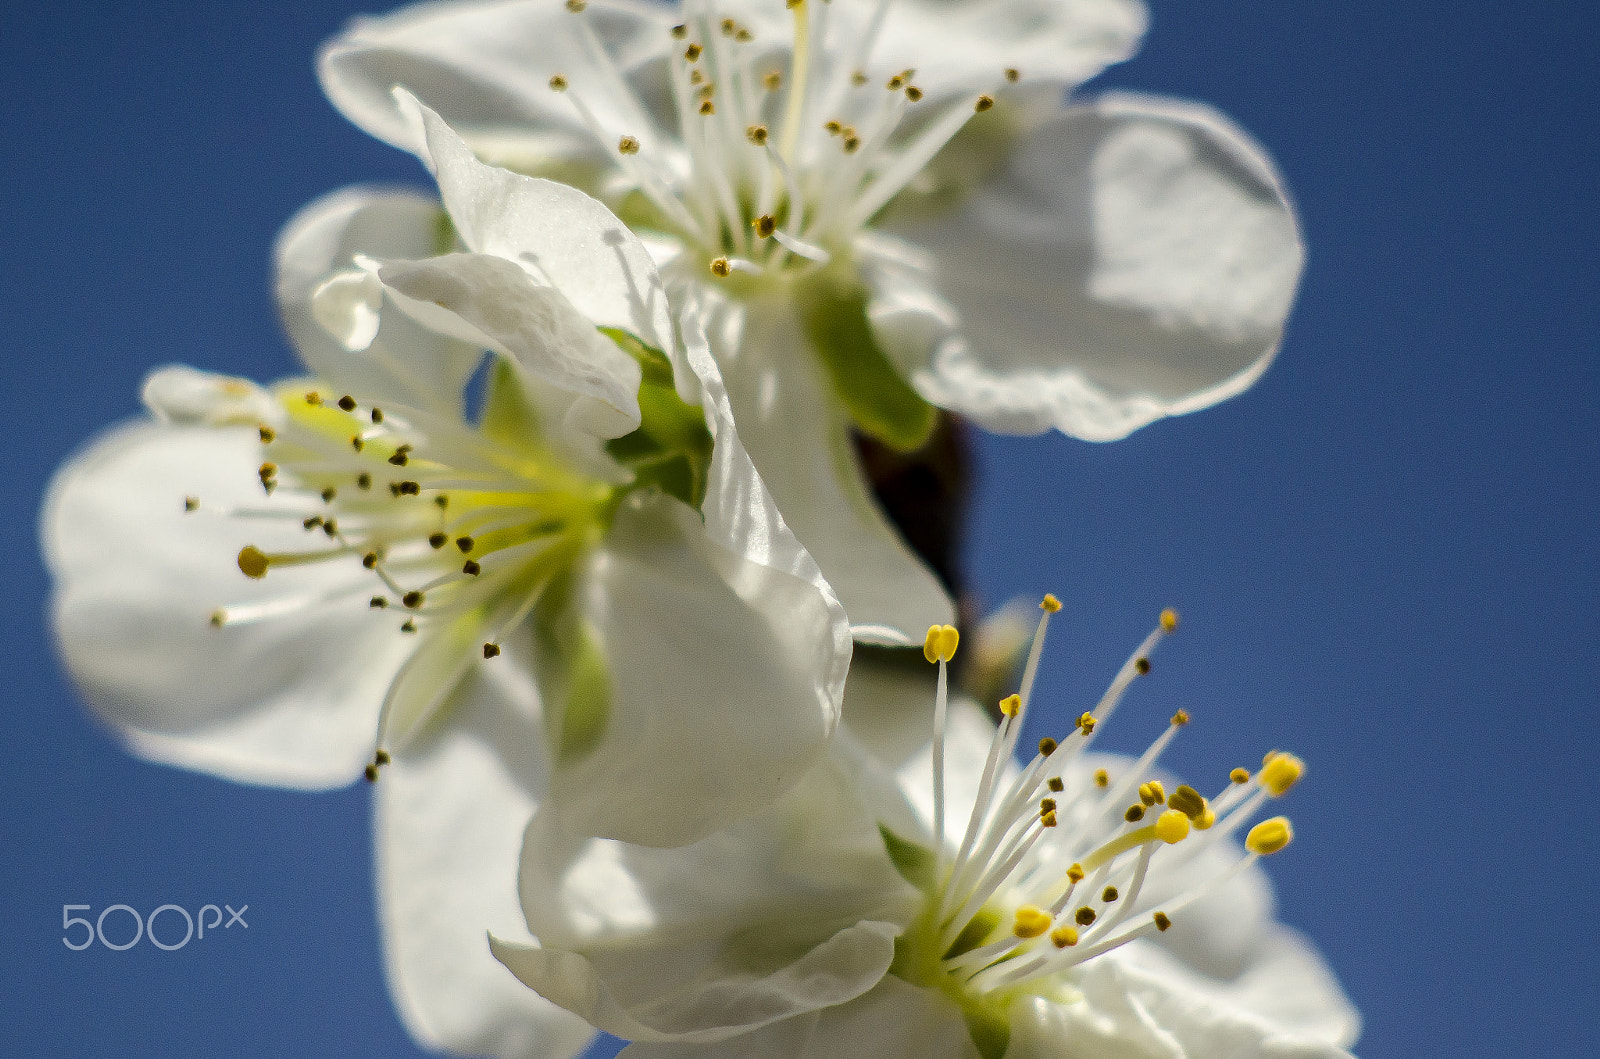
column 565, row 535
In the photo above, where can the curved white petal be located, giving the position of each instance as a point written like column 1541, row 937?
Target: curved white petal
column 722, row 681
column 398, row 361
column 449, row 816
column 290, row 700
column 800, row 444
column 557, row 233
column 778, row 915
column 494, row 303
column 486, row 68
column 1285, row 1007
column 1136, row 258
column 893, row 1021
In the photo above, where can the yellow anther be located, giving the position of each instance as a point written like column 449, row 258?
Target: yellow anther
column 267, row 434
column 851, row 142
column 558, row 83
column 191, row 503
column 1102, row 778
column 680, row 31
column 1086, row 723
column 1162, row 920
column 628, row 145
column 696, row 77
column 1048, row 819
column 471, row 567
column 1031, row 922
column 1280, row 772
column 1084, row 916
column 1076, row 873
column 772, row 81
column 347, row 403
column 1047, row 746
column 1134, row 813
column 1049, row 603
column 1146, row 795
column 253, row 562
column 1204, row 821
column 858, row 78
column 1180, row 718
column 1169, row 619
column 708, row 107
column 940, row 645
column 1012, row 74
column 744, row 36
column 984, row 103
column 381, row 757
column 1055, row 784
column 1011, row 705
column 692, row 53
column 577, row 6
column 764, row 225
column 1157, row 791
column 314, row 399
column 728, row 27
column 720, row 267
column 364, row 480
column 1109, row 894
column 834, row 128
column 1239, row 776
column 1172, row 827
column 913, row 93
column 371, row 773
column 219, row 618
column 1064, row 936
column 1269, row 836
column 1047, row 805
column 1188, row 801
column 412, row 599
column 376, row 415
column 1141, row 666
column 756, row 134
column 490, row 650
column 896, row 83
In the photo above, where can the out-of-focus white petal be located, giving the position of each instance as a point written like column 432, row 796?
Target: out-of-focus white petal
column 1136, row 258
column 965, row 45
column 339, row 333
column 722, row 671
column 449, row 817
column 186, row 396
column 795, row 433
column 494, row 303
column 557, row 233
column 778, row 915
column 893, row 1021
column 1129, row 1013
column 486, row 68
column 290, row 701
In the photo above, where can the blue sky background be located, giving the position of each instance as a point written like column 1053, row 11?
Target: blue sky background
column 1385, row 552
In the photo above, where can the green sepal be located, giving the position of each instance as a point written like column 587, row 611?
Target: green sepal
column 990, row 1030
column 879, row 401
column 671, row 450
column 915, row 863
column 574, row 675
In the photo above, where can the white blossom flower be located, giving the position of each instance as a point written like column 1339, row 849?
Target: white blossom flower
column 883, row 204
column 944, row 901
column 271, row 584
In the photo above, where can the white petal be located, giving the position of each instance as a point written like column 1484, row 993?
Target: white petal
column 187, row 396
column 722, row 677
column 966, row 44
column 895, row 1020
column 792, row 910
column 398, row 360
column 560, row 235
column 450, row 812
column 1129, row 1013
column 290, row 701
column 1136, row 259
column 798, row 439
column 486, row 68
column 491, row 301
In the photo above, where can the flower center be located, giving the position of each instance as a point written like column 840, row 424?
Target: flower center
column 454, row 527
column 775, row 168
column 1055, row 867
